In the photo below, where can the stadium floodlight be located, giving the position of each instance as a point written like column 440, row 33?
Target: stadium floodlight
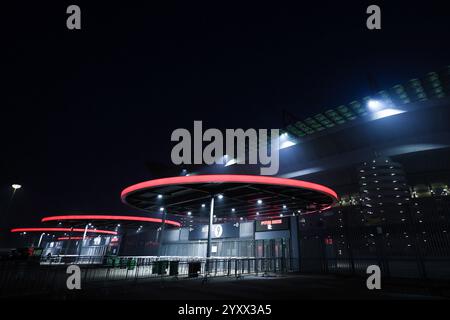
column 230, row 162
column 16, row 186
column 386, row 113
column 285, row 142
column 374, row 105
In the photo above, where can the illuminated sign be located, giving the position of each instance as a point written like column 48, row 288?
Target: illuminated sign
column 218, row 231
column 272, row 224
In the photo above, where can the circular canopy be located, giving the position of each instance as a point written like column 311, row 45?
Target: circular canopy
column 240, row 195
column 107, row 219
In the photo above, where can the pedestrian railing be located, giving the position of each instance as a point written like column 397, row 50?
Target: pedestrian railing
column 50, row 276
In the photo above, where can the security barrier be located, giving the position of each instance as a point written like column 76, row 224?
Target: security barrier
column 19, row 278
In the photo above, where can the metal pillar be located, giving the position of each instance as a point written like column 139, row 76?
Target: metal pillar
column 80, row 246
column 208, row 248
column 40, row 239
column 68, row 241
column 85, row 231
column 211, row 215
column 161, row 233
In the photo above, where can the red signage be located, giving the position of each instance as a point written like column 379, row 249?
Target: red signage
column 269, row 222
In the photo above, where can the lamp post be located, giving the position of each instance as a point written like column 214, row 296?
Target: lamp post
column 161, row 233
column 208, row 247
column 15, row 187
column 40, row 239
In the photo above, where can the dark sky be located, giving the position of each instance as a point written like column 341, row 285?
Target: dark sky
column 82, row 111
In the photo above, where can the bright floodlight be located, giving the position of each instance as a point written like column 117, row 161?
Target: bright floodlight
column 259, row 201
column 189, row 213
column 161, row 209
column 374, row 105
column 285, row 142
column 160, row 196
column 230, row 162
column 16, row 186
column 220, row 196
column 386, row 113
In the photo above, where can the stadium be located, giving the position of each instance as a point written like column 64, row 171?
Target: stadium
column 386, row 156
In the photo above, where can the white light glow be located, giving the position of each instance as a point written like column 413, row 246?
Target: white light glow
column 231, row 162
column 374, row 105
column 16, row 186
column 286, row 144
column 386, row 113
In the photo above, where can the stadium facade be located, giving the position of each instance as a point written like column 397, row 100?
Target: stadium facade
column 388, row 157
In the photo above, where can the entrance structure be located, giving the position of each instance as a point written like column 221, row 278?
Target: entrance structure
column 230, row 197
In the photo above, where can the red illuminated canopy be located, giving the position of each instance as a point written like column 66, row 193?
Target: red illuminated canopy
column 63, row 230
column 109, row 217
column 229, row 178
column 242, row 195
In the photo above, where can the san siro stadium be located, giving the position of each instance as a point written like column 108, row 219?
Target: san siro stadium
column 362, row 184
column 388, row 158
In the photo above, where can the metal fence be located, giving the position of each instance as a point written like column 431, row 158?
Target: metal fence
column 410, row 242
column 19, row 278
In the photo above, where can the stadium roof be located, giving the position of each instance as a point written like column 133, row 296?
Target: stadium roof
column 238, row 196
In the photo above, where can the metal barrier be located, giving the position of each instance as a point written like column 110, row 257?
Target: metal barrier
column 19, row 278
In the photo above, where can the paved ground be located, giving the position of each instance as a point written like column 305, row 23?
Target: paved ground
column 260, row 288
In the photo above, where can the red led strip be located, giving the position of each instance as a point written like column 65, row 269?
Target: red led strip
column 229, row 178
column 109, row 217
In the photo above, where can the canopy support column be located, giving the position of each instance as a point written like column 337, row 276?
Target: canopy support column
column 208, row 248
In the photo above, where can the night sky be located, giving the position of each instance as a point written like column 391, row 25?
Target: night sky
column 83, row 111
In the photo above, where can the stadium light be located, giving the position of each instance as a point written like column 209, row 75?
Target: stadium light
column 16, row 186
column 374, row 105
column 285, row 142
